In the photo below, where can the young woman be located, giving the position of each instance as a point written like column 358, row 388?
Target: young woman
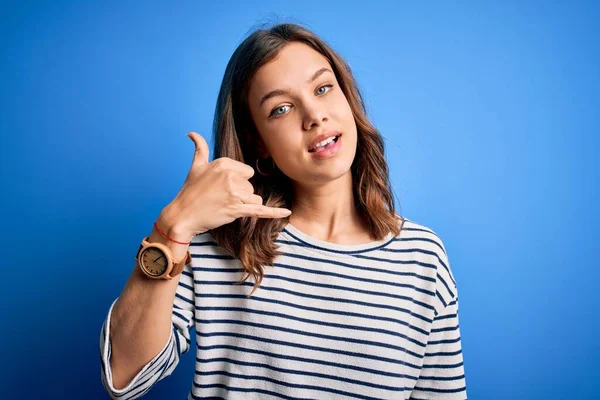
column 300, row 279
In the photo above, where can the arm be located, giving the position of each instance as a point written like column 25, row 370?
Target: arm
column 147, row 329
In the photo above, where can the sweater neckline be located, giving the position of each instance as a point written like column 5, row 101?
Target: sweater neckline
column 319, row 244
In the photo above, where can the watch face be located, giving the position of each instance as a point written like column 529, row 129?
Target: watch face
column 154, row 261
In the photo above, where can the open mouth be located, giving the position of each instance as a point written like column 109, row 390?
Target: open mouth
column 324, row 144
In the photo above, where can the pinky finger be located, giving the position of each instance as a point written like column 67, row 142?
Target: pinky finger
column 248, row 198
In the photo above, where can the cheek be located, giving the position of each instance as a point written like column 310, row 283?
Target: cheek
column 282, row 140
column 347, row 118
column 343, row 109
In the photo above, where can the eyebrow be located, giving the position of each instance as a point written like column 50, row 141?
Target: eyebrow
column 279, row 92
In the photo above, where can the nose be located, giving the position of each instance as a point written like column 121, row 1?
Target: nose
column 314, row 116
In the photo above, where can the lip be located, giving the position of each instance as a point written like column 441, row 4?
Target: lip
column 321, row 137
column 328, row 152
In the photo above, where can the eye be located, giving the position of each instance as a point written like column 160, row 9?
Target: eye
column 320, row 91
column 278, row 111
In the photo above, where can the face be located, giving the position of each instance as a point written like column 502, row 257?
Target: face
column 296, row 102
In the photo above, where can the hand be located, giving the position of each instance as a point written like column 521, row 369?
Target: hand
column 216, row 193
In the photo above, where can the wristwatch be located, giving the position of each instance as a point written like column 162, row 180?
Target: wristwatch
column 156, row 260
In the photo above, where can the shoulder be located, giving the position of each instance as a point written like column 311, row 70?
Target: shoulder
column 414, row 231
column 431, row 246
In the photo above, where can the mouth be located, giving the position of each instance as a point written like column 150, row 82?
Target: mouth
column 324, row 144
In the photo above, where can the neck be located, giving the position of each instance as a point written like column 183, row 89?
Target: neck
column 328, row 212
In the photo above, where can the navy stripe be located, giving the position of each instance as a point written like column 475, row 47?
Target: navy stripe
column 436, row 390
column 443, row 353
column 444, row 341
column 391, row 261
column 208, row 398
column 445, row 284
column 315, row 322
column 316, row 309
column 441, row 378
column 423, row 239
column 323, row 285
column 360, row 267
column 355, row 278
column 310, row 334
column 423, row 251
column 246, row 390
column 191, row 289
column 453, row 328
column 184, row 298
column 296, row 372
column 207, row 243
column 448, row 316
column 287, row 384
column 448, row 271
column 419, row 229
column 317, row 297
column 443, row 366
column 177, row 340
column 325, row 273
column 441, row 299
column 302, row 359
column 304, row 346
column 187, row 321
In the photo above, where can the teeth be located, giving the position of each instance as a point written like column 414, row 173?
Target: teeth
column 324, row 142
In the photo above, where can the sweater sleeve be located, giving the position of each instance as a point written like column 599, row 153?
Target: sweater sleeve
column 164, row 363
column 442, row 376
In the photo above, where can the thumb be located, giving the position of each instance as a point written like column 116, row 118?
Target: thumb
column 201, row 152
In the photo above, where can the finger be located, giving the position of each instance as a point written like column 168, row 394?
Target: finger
column 250, row 198
column 260, row 211
column 246, row 186
column 238, row 167
column 201, row 152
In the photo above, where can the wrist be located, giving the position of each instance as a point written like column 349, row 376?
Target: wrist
column 173, row 228
column 178, row 251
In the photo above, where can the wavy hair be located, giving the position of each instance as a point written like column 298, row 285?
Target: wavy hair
column 252, row 239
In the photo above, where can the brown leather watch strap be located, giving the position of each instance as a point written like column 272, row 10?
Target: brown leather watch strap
column 178, row 267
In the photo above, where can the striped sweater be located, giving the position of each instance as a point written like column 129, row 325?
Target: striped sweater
column 329, row 321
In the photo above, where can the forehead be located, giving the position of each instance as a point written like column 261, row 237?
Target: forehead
column 293, row 66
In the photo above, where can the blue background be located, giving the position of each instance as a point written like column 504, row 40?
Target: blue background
column 490, row 115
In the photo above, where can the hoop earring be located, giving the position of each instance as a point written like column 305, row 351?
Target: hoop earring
column 261, row 172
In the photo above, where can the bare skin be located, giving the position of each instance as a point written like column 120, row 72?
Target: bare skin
column 323, row 203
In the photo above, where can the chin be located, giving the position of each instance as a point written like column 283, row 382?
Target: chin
column 325, row 174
